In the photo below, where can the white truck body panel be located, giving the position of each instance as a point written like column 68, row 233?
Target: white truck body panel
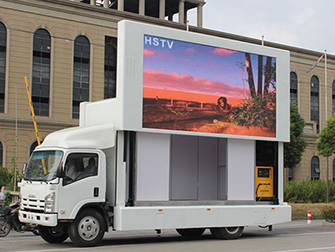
column 146, row 218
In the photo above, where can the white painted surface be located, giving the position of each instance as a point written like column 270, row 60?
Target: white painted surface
column 241, row 169
column 184, row 168
column 145, row 218
column 153, row 164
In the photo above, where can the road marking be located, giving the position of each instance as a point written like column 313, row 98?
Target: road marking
column 307, row 249
column 74, row 249
column 319, row 233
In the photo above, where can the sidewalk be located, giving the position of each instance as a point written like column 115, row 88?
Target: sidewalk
column 302, row 222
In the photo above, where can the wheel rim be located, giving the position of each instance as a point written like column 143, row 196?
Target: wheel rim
column 5, row 229
column 232, row 230
column 88, row 228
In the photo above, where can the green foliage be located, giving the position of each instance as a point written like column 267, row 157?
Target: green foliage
column 258, row 111
column 8, row 199
column 326, row 138
column 13, row 167
column 328, row 213
column 5, row 177
column 294, row 149
column 309, row 191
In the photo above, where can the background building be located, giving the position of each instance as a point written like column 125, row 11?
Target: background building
column 67, row 50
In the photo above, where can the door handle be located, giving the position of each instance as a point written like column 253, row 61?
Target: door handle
column 96, row 192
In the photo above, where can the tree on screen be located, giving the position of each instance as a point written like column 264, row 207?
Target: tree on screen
column 268, row 71
column 250, row 75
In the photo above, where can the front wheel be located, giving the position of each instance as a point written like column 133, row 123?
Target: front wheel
column 56, row 234
column 88, row 229
column 227, row 233
column 36, row 232
column 5, row 229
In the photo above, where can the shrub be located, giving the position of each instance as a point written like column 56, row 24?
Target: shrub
column 258, row 111
column 328, row 213
column 309, row 191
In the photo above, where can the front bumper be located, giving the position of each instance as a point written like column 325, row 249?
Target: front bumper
column 42, row 219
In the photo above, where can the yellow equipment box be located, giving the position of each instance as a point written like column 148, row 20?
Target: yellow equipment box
column 264, row 182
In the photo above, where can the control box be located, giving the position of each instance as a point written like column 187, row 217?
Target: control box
column 264, row 183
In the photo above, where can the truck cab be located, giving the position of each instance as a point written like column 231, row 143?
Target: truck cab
column 61, row 181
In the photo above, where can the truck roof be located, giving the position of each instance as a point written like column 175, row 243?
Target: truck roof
column 99, row 136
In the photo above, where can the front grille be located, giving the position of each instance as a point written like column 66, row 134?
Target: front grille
column 33, row 205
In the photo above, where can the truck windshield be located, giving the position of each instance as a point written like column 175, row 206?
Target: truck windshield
column 43, row 165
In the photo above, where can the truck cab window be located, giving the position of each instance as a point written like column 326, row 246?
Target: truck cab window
column 80, row 166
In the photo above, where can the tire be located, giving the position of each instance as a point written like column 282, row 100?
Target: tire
column 88, row 228
column 191, row 232
column 5, row 229
column 56, row 234
column 227, row 233
column 36, row 232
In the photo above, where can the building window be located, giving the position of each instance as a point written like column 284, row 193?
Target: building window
column 333, row 97
column 3, row 43
column 1, row 154
column 110, row 68
column 315, row 168
column 315, row 101
column 41, row 72
column 81, row 71
column 294, row 88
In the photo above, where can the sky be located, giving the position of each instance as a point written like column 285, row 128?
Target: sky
column 305, row 24
column 181, row 66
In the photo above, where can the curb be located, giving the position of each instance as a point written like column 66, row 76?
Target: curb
column 327, row 224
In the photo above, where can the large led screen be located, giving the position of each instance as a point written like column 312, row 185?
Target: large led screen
column 199, row 88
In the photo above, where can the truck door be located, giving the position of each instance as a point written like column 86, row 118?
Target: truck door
column 82, row 182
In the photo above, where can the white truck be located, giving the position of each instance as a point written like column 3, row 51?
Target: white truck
column 187, row 144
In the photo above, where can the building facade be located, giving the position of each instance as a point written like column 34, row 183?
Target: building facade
column 67, row 50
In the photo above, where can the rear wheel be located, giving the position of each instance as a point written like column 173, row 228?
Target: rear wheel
column 227, row 233
column 191, row 232
column 56, row 234
column 5, row 229
column 88, row 228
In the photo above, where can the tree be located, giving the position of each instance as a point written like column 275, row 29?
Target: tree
column 260, row 76
column 294, row 149
column 5, row 177
column 326, row 144
column 250, row 75
column 258, row 111
column 241, row 65
column 270, row 73
column 326, row 138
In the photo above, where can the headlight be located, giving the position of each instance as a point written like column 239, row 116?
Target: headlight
column 49, row 203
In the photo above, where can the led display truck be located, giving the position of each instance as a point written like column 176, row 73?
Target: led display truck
column 192, row 141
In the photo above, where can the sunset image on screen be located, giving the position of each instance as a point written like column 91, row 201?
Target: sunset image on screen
column 193, row 87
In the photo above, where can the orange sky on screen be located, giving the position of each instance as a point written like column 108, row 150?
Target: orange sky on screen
column 177, row 95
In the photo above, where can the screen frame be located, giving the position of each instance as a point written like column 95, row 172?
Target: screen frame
column 130, row 76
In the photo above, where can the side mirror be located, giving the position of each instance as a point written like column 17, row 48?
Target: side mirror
column 24, row 169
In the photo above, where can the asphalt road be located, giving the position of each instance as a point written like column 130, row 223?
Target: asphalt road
column 295, row 236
